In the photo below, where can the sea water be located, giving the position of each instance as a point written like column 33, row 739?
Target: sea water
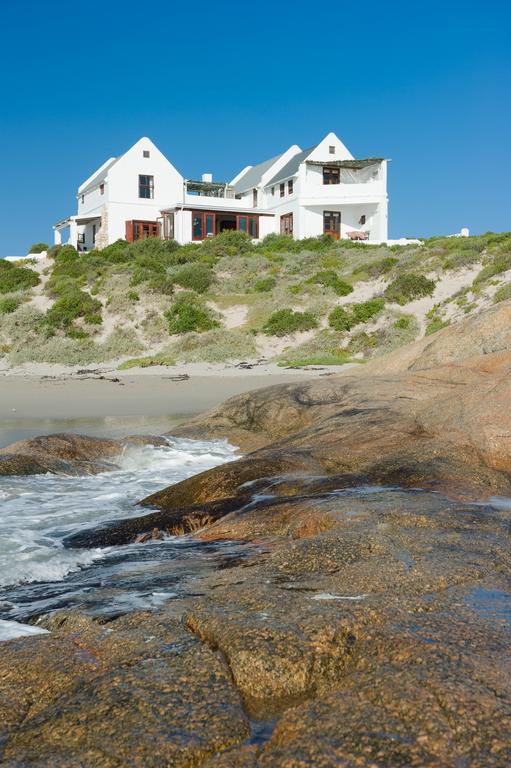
column 38, row 574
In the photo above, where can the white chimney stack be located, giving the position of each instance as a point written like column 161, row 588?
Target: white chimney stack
column 207, row 178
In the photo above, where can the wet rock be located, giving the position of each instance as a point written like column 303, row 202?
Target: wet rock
column 63, row 453
column 225, row 481
column 140, row 691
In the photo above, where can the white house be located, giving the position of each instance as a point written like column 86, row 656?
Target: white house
column 301, row 193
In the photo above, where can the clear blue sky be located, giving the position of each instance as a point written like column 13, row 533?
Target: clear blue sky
column 219, row 85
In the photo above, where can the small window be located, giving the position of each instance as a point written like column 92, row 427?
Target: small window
column 146, row 187
column 101, row 189
column 290, row 187
column 273, row 191
column 83, row 199
column 146, row 153
column 282, row 190
column 362, row 219
column 331, row 149
column 254, row 198
column 331, row 175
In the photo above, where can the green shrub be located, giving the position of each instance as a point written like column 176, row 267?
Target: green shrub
column 286, row 321
column 195, row 277
column 346, row 318
column 189, row 313
column 265, row 284
column 8, row 305
column 409, row 286
column 70, row 307
column 366, row 310
column 38, row 248
column 403, row 322
column 436, row 325
column 229, row 243
column 133, row 296
column 14, row 278
column 331, row 279
column 53, row 251
column 503, row 293
column 339, row 319
column 500, row 263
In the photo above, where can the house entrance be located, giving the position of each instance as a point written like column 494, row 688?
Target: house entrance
column 332, row 224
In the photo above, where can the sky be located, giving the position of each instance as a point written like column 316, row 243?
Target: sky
column 221, row 85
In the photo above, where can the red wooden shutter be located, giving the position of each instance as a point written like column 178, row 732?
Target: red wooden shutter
column 129, row 231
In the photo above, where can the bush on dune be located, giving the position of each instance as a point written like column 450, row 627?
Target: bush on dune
column 286, row 321
column 14, row 278
column 331, row 279
column 195, row 277
column 189, row 313
column 346, row 318
column 75, row 304
column 38, row 248
column 9, row 304
column 409, row 286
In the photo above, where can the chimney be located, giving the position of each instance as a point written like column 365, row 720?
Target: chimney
column 207, row 178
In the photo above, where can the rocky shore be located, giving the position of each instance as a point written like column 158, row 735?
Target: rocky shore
column 371, row 627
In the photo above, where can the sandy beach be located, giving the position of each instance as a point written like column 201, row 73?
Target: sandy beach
column 39, row 399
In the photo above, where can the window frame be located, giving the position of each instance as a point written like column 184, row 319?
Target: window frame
column 290, row 186
column 331, row 175
column 148, row 185
column 282, row 189
column 101, row 189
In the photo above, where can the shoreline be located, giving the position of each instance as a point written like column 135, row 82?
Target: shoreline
column 103, row 401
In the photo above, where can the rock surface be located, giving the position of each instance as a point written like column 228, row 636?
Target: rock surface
column 370, row 627
column 67, row 453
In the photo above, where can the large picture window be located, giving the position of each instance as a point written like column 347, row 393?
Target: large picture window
column 146, row 187
column 331, row 175
column 208, row 224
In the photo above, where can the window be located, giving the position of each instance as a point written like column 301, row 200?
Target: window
column 197, row 225
column 254, row 198
column 286, row 224
column 331, row 175
column 101, row 189
column 146, row 153
column 362, row 219
column 282, row 190
column 146, row 187
column 83, row 199
column 331, row 149
column 141, row 230
column 273, row 191
column 93, row 234
column 253, row 227
column 290, row 187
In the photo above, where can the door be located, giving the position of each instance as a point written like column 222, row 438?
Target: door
column 332, row 224
column 286, row 224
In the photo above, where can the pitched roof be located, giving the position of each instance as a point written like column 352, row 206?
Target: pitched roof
column 98, row 176
column 254, row 175
column 291, row 167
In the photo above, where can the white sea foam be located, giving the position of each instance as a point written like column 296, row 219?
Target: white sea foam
column 36, row 512
column 12, row 629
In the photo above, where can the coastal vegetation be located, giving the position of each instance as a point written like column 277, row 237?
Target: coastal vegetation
column 290, row 301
